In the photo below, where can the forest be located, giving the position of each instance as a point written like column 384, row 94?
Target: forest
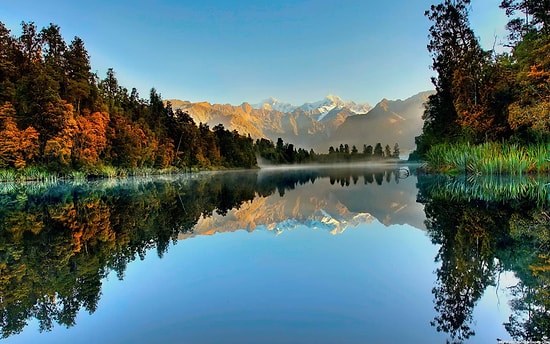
column 485, row 97
column 58, row 116
column 286, row 153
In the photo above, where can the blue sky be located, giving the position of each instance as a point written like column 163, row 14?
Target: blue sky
column 246, row 51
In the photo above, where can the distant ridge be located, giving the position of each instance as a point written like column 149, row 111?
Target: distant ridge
column 320, row 124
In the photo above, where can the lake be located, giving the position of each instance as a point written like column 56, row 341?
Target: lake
column 350, row 254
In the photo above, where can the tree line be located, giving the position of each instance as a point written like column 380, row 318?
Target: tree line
column 286, row 153
column 55, row 113
column 481, row 95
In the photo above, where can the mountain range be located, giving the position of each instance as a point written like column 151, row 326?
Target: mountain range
column 317, row 110
column 318, row 125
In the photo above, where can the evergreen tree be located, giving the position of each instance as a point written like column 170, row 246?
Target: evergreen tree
column 10, row 56
column 535, row 17
column 451, row 40
column 378, row 151
column 396, row 151
column 387, row 151
column 367, row 151
column 78, row 75
column 54, row 50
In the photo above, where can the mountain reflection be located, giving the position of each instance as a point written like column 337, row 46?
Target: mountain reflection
column 58, row 242
column 485, row 226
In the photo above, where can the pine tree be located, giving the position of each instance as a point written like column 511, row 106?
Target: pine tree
column 78, row 74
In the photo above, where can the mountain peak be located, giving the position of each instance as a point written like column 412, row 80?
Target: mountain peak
column 334, row 98
column 318, row 110
column 272, row 103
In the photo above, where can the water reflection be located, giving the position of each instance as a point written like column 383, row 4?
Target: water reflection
column 58, row 243
column 485, row 226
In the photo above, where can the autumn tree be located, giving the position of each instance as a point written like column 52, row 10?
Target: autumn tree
column 529, row 112
column 18, row 148
column 91, row 138
column 61, row 130
column 81, row 121
column 530, row 37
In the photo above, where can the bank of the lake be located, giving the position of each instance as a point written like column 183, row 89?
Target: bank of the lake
column 40, row 174
column 488, row 158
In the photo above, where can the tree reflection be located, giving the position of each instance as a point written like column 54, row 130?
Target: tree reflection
column 530, row 318
column 58, row 243
column 57, row 246
column 468, row 236
column 479, row 237
column 345, row 177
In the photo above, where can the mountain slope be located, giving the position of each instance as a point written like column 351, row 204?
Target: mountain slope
column 294, row 127
column 389, row 122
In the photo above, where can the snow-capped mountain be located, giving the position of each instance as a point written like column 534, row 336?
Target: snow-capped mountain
column 274, row 104
column 317, row 110
column 332, row 102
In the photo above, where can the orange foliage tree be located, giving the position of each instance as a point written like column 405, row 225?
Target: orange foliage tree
column 57, row 150
column 17, row 147
column 91, row 138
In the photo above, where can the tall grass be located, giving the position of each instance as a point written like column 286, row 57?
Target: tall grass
column 494, row 188
column 8, row 175
column 31, row 173
column 489, row 158
column 41, row 174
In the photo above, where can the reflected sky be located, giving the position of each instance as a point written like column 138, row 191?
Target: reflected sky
column 371, row 282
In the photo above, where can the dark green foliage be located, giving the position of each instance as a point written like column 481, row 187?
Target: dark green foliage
column 534, row 17
column 236, row 149
column 378, row 152
column 482, row 96
column 485, row 226
column 285, row 153
column 77, row 64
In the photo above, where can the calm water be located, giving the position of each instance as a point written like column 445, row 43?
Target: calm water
column 341, row 255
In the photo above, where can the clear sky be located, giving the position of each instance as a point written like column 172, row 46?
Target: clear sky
column 246, row 51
